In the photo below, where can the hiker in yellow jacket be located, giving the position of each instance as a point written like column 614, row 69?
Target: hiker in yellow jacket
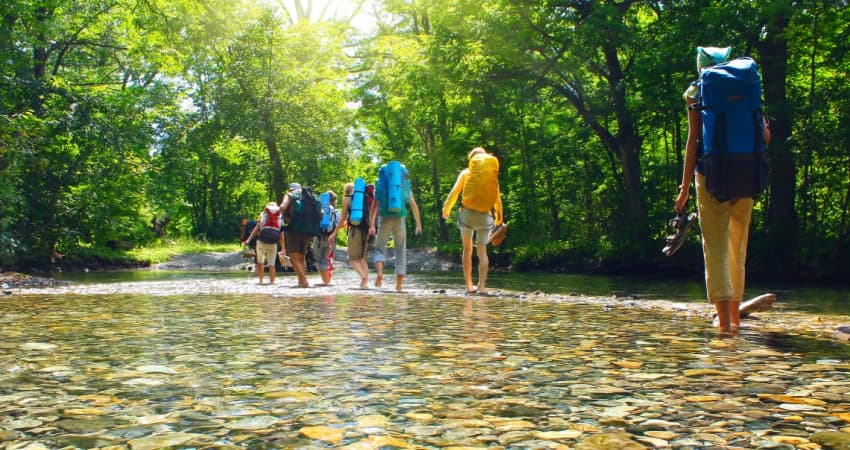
column 481, row 210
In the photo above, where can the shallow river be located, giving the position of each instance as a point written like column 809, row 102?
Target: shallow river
column 225, row 363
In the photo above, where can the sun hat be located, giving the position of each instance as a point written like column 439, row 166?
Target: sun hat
column 709, row 56
column 272, row 207
column 294, row 187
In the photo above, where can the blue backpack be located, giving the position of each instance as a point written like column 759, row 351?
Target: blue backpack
column 325, row 224
column 358, row 202
column 733, row 156
column 393, row 187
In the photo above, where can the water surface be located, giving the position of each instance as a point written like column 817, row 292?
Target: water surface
column 375, row 369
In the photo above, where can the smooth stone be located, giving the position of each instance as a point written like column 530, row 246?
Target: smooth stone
column 609, row 441
column 832, row 440
column 252, row 423
column 168, row 440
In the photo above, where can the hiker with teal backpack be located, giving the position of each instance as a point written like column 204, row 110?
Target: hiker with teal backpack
column 725, row 155
column 356, row 201
column 303, row 221
column 387, row 218
column 323, row 247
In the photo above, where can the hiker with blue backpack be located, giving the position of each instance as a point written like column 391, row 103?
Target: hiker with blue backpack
column 323, row 248
column 725, row 155
column 356, row 201
column 303, row 221
column 387, row 218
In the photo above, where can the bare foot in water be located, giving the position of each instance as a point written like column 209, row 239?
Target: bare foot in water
column 379, row 280
column 364, row 283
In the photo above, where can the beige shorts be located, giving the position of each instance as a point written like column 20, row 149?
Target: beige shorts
column 357, row 243
column 266, row 253
column 480, row 223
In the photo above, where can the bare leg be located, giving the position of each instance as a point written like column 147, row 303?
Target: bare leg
column 467, row 261
column 299, row 264
column 735, row 315
column 399, row 280
column 260, row 271
column 271, row 273
column 723, row 316
column 483, row 268
column 326, row 277
column 379, row 268
column 362, row 268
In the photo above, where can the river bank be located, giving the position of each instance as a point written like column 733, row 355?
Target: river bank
column 230, row 273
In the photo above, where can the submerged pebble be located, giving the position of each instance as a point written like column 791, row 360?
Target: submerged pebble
column 425, row 369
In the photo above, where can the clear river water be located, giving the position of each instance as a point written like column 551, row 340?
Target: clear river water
column 154, row 359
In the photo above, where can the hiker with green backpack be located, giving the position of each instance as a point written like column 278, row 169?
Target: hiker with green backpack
column 303, row 217
column 725, row 155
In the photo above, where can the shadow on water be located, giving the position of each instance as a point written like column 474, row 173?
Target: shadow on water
column 810, row 348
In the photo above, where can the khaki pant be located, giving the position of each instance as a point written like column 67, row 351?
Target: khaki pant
column 725, row 232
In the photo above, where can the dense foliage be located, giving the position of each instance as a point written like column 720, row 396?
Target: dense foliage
column 116, row 116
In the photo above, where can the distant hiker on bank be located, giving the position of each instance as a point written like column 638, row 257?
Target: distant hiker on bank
column 356, row 203
column 303, row 215
column 323, row 248
column 481, row 210
column 268, row 235
column 388, row 212
column 727, row 134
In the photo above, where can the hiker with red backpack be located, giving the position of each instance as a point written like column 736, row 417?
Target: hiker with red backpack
column 725, row 155
column 478, row 188
column 268, row 234
column 357, row 226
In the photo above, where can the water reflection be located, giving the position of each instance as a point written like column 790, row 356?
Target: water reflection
column 397, row 371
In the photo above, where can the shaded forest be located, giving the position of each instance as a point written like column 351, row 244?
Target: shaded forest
column 127, row 121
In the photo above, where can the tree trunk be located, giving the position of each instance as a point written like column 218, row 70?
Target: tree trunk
column 781, row 214
column 278, row 177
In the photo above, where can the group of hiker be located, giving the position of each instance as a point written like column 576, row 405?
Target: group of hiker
column 374, row 212
column 724, row 154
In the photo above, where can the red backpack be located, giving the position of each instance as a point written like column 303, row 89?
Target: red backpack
column 270, row 229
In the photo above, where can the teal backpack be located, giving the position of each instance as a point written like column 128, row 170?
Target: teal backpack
column 305, row 213
column 393, row 188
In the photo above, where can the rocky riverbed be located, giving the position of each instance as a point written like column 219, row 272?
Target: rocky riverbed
column 190, row 361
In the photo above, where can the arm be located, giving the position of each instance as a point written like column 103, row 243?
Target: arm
column 454, row 193
column 343, row 220
column 694, row 131
column 498, row 217
column 253, row 232
column 415, row 210
column 373, row 215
